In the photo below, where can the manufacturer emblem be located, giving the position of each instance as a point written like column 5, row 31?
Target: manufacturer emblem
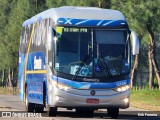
column 92, row 92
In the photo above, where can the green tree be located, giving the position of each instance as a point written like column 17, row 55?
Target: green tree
column 55, row 3
column 143, row 16
column 93, row 3
column 37, row 6
column 20, row 12
column 5, row 9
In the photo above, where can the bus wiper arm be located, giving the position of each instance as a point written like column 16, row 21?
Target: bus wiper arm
column 80, row 67
column 106, row 68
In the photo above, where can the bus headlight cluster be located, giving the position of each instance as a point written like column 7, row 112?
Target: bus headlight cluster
column 63, row 87
column 59, row 86
column 122, row 88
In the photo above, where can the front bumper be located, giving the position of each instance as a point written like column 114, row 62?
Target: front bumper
column 61, row 98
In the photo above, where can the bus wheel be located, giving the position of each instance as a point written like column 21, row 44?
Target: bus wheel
column 113, row 112
column 39, row 108
column 52, row 111
column 29, row 106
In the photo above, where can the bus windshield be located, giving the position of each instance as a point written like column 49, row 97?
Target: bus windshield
column 112, row 52
column 78, row 54
column 72, row 48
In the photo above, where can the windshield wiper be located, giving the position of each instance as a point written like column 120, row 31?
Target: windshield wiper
column 80, row 67
column 105, row 66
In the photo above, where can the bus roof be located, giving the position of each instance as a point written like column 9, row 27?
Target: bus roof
column 85, row 13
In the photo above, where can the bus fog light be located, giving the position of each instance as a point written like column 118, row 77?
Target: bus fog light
column 126, row 100
column 57, row 98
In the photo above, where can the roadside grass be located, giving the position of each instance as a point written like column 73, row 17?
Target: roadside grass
column 145, row 99
column 8, row 91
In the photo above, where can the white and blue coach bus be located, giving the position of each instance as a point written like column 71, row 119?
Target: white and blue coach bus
column 76, row 58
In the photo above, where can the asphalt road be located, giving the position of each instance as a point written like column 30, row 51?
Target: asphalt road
column 13, row 105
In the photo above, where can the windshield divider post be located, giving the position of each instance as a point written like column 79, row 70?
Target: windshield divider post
column 93, row 56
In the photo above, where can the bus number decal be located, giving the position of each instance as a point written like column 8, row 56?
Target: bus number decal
column 121, row 83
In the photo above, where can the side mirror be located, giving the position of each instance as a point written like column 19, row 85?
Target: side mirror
column 135, row 43
column 49, row 38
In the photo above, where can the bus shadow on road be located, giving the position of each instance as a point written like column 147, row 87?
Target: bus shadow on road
column 72, row 114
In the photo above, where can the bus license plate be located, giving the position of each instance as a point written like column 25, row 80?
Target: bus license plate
column 92, row 100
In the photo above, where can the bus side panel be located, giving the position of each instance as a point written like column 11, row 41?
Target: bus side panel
column 21, row 75
column 35, row 87
column 35, row 81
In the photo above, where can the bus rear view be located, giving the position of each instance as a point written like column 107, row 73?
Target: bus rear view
column 88, row 60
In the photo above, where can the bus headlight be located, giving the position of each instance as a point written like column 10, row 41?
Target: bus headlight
column 59, row 86
column 63, row 87
column 122, row 88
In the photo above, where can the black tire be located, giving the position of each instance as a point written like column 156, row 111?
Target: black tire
column 51, row 111
column 39, row 108
column 113, row 112
column 44, row 94
column 29, row 106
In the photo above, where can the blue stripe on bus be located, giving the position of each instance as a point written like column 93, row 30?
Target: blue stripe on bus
column 90, row 22
column 91, row 85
